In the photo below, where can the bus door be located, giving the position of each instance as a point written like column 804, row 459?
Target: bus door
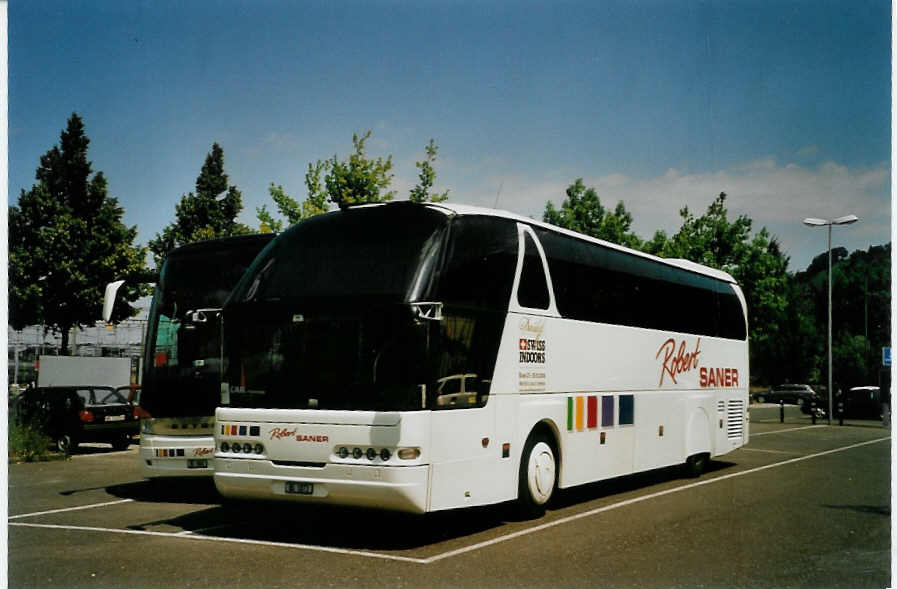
column 463, row 451
column 468, row 424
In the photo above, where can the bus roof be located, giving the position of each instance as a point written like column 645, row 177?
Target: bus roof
column 223, row 242
column 462, row 209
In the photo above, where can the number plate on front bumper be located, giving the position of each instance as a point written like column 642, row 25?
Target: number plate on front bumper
column 197, row 463
column 299, row 488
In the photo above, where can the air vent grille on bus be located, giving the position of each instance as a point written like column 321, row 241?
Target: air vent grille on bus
column 721, row 406
column 735, row 419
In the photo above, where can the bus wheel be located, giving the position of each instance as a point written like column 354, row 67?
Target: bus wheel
column 695, row 465
column 538, row 475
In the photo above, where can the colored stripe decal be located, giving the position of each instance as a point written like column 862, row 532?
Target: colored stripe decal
column 578, row 413
column 607, row 411
column 569, row 414
column 593, row 412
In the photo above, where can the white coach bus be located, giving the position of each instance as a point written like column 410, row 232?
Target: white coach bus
column 428, row 357
column 182, row 354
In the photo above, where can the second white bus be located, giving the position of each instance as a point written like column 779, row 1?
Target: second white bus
column 428, row 357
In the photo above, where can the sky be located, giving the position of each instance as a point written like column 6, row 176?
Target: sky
column 784, row 106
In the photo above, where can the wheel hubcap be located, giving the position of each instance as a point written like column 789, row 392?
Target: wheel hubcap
column 540, row 473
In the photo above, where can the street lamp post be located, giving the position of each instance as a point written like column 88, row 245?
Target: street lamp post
column 813, row 222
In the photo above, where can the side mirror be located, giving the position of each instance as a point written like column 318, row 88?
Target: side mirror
column 201, row 315
column 109, row 299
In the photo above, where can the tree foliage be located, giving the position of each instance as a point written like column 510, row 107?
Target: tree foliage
column 207, row 213
column 583, row 212
column 426, row 177
column 756, row 262
column 67, row 240
column 314, row 204
column 861, row 311
column 358, row 179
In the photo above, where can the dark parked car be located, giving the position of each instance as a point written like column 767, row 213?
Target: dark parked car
column 794, row 394
column 70, row 415
column 862, row 402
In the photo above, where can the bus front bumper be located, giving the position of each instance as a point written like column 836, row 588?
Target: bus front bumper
column 176, row 456
column 391, row 488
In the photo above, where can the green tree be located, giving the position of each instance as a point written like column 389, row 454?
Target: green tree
column 582, row 211
column 426, row 178
column 861, row 308
column 314, row 204
column 66, row 241
column 207, row 213
column 358, row 179
column 757, row 263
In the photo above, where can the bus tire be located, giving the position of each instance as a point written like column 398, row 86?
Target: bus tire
column 696, row 465
column 538, row 475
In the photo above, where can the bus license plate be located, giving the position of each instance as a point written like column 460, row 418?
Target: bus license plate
column 299, row 488
column 197, row 463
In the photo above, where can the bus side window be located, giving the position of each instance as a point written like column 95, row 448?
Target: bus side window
column 533, row 289
column 460, row 391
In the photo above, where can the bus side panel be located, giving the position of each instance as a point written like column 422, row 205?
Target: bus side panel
column 652, row 395
column 660, row 439
column 463, row 456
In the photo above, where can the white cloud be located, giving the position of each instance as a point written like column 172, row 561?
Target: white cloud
column 774, row 196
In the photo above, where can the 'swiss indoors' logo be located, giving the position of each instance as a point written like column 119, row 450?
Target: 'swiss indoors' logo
column 677, row 359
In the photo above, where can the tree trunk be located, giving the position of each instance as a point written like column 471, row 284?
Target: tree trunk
column 64, row 347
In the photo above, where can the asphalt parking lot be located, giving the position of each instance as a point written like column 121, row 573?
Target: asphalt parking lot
column 800, row 506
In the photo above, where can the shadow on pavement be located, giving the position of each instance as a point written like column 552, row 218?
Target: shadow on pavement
column 874, row 509
column 199, row 491
column 337, row 527
column 349, row 527
column 625, row 484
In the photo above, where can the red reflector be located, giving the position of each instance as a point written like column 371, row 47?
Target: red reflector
column 86, row 416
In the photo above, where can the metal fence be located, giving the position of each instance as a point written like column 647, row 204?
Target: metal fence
column 25, row 346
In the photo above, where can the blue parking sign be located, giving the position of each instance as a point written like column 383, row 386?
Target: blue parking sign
column 886, row 356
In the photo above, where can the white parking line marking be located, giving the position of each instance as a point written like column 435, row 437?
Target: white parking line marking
column 444, row 555
column 767, row 451
column 781, row 431
column 232, row 540
column 634, row 500
column 91, row 506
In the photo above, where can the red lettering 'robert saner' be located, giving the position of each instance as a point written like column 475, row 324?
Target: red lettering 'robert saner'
column 677, row 361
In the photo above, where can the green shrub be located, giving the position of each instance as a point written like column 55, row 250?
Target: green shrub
column 27, row 441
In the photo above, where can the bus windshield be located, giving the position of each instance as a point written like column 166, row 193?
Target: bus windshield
column 182, row 363
column 329, row 317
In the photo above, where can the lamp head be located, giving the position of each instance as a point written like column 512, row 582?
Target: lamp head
column 813, row 222
column 845, row 220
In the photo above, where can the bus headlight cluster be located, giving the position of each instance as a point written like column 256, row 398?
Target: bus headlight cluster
column 373, row 453
column 244, row 448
